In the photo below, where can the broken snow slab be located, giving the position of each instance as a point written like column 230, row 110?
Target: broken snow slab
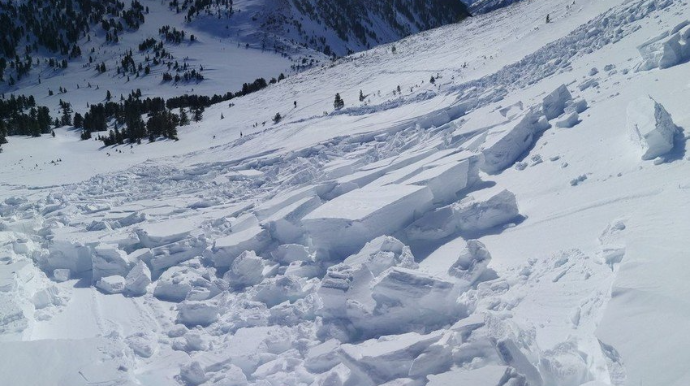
column 282, row 200
column 477, row 212
column 506, row 143
column 484, row 376
column 464, row 261
column 343, row 225
column 446, row 179
column 226, row 249
column 387, row 358
column 650, row 127
column 246, row 174
column 285, row 225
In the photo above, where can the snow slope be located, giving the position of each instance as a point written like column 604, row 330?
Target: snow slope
column 489, row 228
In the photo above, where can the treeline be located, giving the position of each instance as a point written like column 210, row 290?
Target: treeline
column 195, row 7
column 57, row 26
column 128, row 126
column 19, row 115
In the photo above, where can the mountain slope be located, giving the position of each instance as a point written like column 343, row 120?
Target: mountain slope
column 518, row 220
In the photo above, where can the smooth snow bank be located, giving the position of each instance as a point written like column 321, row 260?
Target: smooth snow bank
column 650, row 127
column 343, row 225
column 96, row 361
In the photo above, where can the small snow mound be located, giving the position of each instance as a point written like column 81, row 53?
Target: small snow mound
column 111, row 284
column 650, row 127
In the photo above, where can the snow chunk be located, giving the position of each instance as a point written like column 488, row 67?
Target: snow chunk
column 346, row 223
column 568, row 120
column 322, row 357
column 484, row 376
column 226, row 249
column 194, row 313
column 61, row 275
column 417, row 291
column 386, row 358
column 193, row 374
column 289, row 253
column 504, row 144
column 178, row 283
column 445, row 179
column 382, row 253
column 651, row 127
column 479, row 212
column 285, row 225
column 138, row 279
column 111, row 284
column 107, row 261
column 554, row 103
column 666, row 50
column 247, row 269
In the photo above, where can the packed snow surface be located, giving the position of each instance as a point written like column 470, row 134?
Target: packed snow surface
column 519, row 221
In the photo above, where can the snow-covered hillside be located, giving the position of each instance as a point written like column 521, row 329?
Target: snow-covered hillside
column 519, row 220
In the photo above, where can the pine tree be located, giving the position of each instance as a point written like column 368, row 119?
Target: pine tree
column 338, row 103
column 184, row 118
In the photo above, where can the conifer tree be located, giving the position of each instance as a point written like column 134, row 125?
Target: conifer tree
column 338, row 103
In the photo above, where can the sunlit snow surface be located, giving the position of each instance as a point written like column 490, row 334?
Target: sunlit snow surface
column 522, row 221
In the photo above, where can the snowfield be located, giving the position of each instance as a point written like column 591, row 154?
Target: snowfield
column 522, row 220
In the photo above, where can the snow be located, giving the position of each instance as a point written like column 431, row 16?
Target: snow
column 439, row 236
column 345, row 223
column 651, row 127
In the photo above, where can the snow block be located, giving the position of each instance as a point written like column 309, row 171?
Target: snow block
column 285, row 225
column 666, row 50
column 471, row 263
column 193, row 313
column 226, row 249
column 478, row 212
column 290, row 253
column 446, row 179
column 504, row 144
column 107, row 261
column 178, row 283
column 413, row 290
column 170, row 255
column 138, row 279
column 569, row 120
column 386, row 358
column 554, row 103
column 111, row 284
column 352, row 279
column 650, row 127
column 246, row 270
column 72, row 256
column 484, row 376
column 345, row 224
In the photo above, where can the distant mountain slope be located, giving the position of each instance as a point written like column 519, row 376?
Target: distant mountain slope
column 486, row 6
column 332, row 27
